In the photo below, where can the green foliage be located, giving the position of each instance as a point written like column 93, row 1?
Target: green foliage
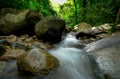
column 95, row 12
column 99, row 12
column 36, row 5
column 32, row 5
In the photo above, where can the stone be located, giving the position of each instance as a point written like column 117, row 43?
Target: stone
column 37, row 62
column 108, row 59
column 82, row 27
column 2, row 50
column 11, row 38
column 18, row 22
column 41, row 45
column 12, row 54
column 50, row 29
column 103, row 43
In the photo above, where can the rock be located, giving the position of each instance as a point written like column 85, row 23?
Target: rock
column 3, row 42
column 103, row 43
column 11, row 38
column 116, row 33
column 82, row 27
column 41, row 45
column 84, row 35
column 103, row 35
column 19, row 22
column 50, row 29
column 12, row 54
column 102, row 28
column 23, row 37
column 2, row 50
column 108, row 60
column 95, row 30
column 17, row 45
column 105, row 26
column 37, row 62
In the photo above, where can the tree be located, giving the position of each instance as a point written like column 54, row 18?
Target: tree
column 41, row 5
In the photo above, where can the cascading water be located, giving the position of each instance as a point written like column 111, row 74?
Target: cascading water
column 74, row 63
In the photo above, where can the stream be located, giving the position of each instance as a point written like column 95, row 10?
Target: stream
column 74, row 63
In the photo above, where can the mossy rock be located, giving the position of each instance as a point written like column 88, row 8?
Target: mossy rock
column 18, row 23
column 50, row 29
column 37, row 62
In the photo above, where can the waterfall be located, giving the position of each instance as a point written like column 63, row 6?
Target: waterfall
column 74, row 63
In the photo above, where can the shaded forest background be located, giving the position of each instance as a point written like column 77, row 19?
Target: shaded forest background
column 95, row 12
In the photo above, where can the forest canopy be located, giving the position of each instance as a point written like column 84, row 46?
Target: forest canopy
column 94, row 12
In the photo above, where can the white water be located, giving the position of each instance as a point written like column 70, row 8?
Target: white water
column 74, row 63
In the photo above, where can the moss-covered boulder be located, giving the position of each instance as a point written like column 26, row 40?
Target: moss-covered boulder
column 18, row 22
column 82, row 27
column 50, row 29
column 37, row 62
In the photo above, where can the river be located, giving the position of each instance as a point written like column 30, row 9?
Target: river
column 74, row 63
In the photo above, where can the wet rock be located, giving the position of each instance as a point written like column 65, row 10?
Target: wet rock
column 85, row 35
column 41, row 45
column 37, row 62
column 3, row 42
column 103, row 43
column 28, row 40
column 23, row 37
column 106, row 53
column 108, row 60
column 82, row 27
column 103, row 35
column 18, row 22
column 116, row 33
column 105, row 27
column 11, row 38
column 50, row 29
column 18, row 45
column 2, row 50
column 12, row 54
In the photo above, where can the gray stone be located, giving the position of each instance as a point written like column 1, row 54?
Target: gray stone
column 37, row 62
column 103, row 43
column 108, row 60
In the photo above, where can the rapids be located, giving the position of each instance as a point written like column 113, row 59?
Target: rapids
column 74, row 63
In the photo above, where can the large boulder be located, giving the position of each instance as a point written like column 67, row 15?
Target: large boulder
column 106, row 53
column 37, row 62
column 103, row 43
column 50, row 29
column 18, row 22
column 108, row 60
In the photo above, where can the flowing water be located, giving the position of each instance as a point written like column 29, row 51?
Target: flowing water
column 74, row 63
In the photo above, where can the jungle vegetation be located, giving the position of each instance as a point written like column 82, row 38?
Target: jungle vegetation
column 95, row 12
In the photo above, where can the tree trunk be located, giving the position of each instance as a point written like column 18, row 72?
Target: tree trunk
column 117, row 19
